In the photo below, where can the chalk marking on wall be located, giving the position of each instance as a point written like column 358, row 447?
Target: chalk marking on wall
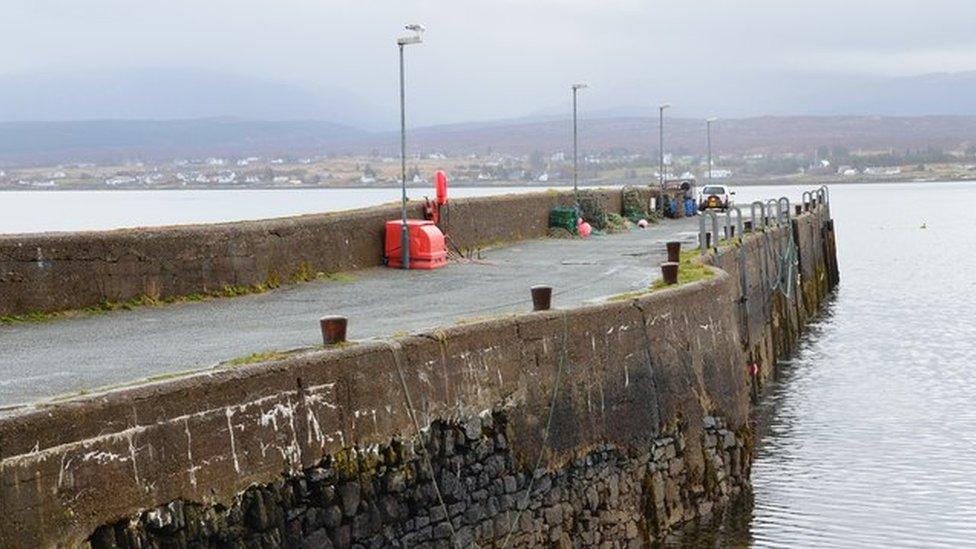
column 313, row 396
column 132, row 453
column 292, row 453
column 603, row 399
column 233, row 446
column 654, row 319
column 192, row 470
column 40, row 455
column 64, row 467
column 103, row 457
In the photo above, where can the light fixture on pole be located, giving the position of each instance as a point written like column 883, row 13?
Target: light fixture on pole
column 576, row 88
column 708, row 133
column 661, row 108
column 416, row 38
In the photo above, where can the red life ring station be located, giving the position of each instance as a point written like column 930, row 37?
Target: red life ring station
column 426, row 246
column 427, row 249
column 440, row 180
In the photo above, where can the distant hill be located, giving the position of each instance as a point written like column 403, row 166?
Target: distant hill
column 175, row 94
column 112, row 141
column 32, row 143
column 163, row 113
column 767, row 134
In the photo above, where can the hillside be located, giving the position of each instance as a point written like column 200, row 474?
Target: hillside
column 39, row 143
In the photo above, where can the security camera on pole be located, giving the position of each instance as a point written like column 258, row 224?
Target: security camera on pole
column 416, row 38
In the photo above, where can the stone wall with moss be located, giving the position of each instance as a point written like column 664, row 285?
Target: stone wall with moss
column 784, row 274
column 59, row 271
column 473, row 493
column 609, row 423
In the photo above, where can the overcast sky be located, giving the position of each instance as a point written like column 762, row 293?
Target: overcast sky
column 486, row 59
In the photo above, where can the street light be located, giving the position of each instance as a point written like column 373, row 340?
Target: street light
column 708, row 132
column 415, row 38
column 576, row 88
column 661, row 109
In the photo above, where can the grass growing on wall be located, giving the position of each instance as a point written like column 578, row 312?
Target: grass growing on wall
column 690, row 269
column 255, row 358
column 236, row 290
column 687, row 272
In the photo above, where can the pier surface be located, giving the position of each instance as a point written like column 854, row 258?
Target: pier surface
column 63, row 356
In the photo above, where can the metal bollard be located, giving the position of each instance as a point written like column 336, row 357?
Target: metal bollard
column 669, row 271
column 674, row 252
column 333, row 329
column 748, row 226
column 708, row 240
column 541, row 298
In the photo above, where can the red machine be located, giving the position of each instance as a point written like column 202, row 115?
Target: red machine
column 427, row 250
column 426, row 246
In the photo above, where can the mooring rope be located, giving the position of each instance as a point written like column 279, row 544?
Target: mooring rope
column 785, row 263
column 396, row 349
column 545, row 436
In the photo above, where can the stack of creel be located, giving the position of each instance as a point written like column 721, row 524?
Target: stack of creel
column 563, row 217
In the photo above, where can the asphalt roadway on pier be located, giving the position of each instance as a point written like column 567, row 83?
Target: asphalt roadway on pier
column 43, row 360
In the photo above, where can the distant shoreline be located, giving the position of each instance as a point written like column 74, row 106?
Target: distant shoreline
column 777, row 182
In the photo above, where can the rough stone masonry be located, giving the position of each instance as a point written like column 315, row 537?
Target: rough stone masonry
column 608, row 497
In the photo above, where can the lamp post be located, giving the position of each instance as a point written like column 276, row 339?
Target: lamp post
column 708, row 133
column 661, row 109
column 416, row 38
column 576, row 88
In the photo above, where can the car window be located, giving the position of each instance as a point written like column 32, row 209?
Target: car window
column 713, row 190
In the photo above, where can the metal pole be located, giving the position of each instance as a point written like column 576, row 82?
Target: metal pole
column 575, row 148
column 404, row 231
column 661, row 143
column 708, row 131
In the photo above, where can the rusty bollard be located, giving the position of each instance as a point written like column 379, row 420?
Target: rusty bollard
column 669, row 271
column 747, row 226
column 541, row 298
column 674, row 252
column 798, row 208
column 333, row 329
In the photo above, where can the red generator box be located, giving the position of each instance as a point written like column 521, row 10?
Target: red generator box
column 427, row 250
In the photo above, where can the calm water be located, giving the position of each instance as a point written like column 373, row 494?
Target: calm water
column 38, row 211
column 867, row 439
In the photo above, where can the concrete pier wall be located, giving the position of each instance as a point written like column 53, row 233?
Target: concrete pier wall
column 612, row 422
column 58, row 271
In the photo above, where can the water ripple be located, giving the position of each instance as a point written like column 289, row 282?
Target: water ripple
column 868, row 439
